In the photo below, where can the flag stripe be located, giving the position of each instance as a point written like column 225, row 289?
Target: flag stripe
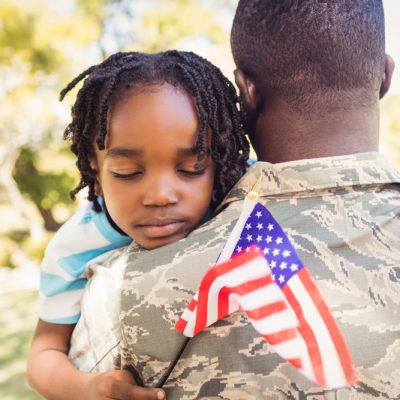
column 192, row 305
column 233, row 263
column 254, row 284
column 260, row 297
column 227, row 293
column 181, row 325
column 289, row 348
column 308, row 335
column 296, row 362
column 278, row 321
column 339, row 361
column 189, row 328
column 211, row 284
column 268, row 309
column 277, row 337
column 224, row 302
column 252, row 269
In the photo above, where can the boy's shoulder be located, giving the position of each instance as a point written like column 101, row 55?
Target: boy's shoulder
column 87, row 228
column 80, row 219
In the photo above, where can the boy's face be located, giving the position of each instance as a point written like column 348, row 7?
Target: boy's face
column 147, row 172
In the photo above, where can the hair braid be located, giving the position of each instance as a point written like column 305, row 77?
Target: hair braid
column 106, row 84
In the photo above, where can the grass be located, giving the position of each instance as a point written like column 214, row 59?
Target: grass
column 18, row 315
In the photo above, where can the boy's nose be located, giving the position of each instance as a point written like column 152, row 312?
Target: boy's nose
column 161, row 192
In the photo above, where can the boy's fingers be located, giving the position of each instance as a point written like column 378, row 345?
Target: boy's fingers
column 126, row 391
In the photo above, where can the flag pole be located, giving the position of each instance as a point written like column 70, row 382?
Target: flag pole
column 248, row 205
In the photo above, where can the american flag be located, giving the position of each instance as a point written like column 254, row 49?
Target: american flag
column 300, row 326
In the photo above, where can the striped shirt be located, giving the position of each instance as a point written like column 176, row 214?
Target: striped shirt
column 86, row 236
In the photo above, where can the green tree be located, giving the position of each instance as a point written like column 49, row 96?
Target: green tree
column 35, row 48
column 169, row 24
column 46, row 188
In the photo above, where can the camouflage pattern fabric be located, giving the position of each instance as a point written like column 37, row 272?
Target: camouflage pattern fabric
column 343, row 216
column 97, row 335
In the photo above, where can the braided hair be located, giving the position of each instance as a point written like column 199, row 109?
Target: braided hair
column 107, row 83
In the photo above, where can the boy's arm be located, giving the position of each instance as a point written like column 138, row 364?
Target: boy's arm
column 52, row 374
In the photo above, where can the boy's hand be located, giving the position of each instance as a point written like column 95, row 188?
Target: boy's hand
column 120, row 385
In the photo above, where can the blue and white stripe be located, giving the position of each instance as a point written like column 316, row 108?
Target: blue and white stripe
column 86, row 237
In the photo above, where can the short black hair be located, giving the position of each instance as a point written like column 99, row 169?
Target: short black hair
column 216, row 100
column 295, row 49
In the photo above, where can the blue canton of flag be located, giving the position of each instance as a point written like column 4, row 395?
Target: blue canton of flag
column 262, row 230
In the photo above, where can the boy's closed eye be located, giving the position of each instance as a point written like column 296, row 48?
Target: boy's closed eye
column 186, row 170
column 130, row 175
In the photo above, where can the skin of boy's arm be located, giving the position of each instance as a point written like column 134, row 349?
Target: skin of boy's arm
column 52, row 374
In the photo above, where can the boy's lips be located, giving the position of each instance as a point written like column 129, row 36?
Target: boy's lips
column 160, row 227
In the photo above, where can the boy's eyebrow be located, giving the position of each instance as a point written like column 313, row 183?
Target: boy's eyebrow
column 130, row 152
column 123, row 152
column 189, row 151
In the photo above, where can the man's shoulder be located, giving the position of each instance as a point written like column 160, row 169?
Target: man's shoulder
column 203, row 244
column 304, row 177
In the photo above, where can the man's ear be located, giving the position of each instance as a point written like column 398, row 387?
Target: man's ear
column 387, row 79
column 248, row 92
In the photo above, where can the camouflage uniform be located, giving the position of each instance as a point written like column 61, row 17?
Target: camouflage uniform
column 343, row 216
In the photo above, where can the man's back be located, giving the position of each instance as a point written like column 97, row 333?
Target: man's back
column 342, row 215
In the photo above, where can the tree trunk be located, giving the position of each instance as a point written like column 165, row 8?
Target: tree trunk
column 50, row 224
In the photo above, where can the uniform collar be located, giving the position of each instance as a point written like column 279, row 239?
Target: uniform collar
column 314, row 175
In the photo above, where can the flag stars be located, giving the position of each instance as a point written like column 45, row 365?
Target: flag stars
column 273, row 264
column 294, row 267
column 275, row 252
column 268, row 239
column 259, row 238
column 283, row 265
column 260, row 226
column 281, row 278
column 258, row 214
column 270, row 227
column 286, row 253
column 248, row 226
column 279, row 240
column 239, row 249
column 247, row 249
column 249, row 238
column 266, row 250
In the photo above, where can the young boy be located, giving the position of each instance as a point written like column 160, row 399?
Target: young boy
column 169, row 146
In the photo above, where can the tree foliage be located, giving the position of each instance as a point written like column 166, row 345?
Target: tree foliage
column 390, row 128
column 35, row 54
column 170, row 24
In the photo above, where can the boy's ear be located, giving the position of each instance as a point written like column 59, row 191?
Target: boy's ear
column 387, row 79
column 248, row 92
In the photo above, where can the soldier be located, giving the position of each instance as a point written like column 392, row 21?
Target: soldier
column 311, row 74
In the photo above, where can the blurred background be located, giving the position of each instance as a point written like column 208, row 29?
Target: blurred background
column 43, row 45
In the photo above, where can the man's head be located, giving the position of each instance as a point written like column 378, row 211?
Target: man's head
column 316, row 56
column 296, row 49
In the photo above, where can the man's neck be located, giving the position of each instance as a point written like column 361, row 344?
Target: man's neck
column 283, row 135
